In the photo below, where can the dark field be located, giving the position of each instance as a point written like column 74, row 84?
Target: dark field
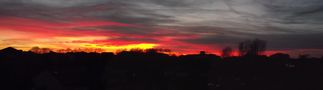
column 156, row 71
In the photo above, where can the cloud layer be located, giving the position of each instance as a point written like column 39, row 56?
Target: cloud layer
column 173, row 24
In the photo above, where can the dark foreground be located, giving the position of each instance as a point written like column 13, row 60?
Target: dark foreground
column 155, row 71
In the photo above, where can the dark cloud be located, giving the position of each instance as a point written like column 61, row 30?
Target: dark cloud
column 275, row 42
column 131, row 39
column 294, row 41
column 181, row 3
column 300, row 11
column 129, row 30
column 117, row 11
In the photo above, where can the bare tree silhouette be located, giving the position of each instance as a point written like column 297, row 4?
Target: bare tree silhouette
column 227, row 52
column 202, row 52
column 280, row 56
column 304, row 56
column 252, row 47
column 40, row 50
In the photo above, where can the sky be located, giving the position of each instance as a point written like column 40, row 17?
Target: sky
column 184, row 26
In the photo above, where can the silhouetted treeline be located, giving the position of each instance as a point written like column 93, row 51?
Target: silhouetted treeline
column 150, row 70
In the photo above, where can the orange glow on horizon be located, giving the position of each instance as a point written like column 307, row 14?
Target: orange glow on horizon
column 88, row 47
column 23, row 34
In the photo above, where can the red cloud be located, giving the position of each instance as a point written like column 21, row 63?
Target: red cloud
column 47, row 28
column 165, row 38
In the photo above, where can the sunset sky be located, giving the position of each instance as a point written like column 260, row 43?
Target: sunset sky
column 184, row 26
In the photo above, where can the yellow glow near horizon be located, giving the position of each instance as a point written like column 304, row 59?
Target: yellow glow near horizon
column 108, row 48
column 113, row 48
column 62, row 42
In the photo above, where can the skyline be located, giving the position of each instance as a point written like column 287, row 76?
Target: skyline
column 184, row 26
